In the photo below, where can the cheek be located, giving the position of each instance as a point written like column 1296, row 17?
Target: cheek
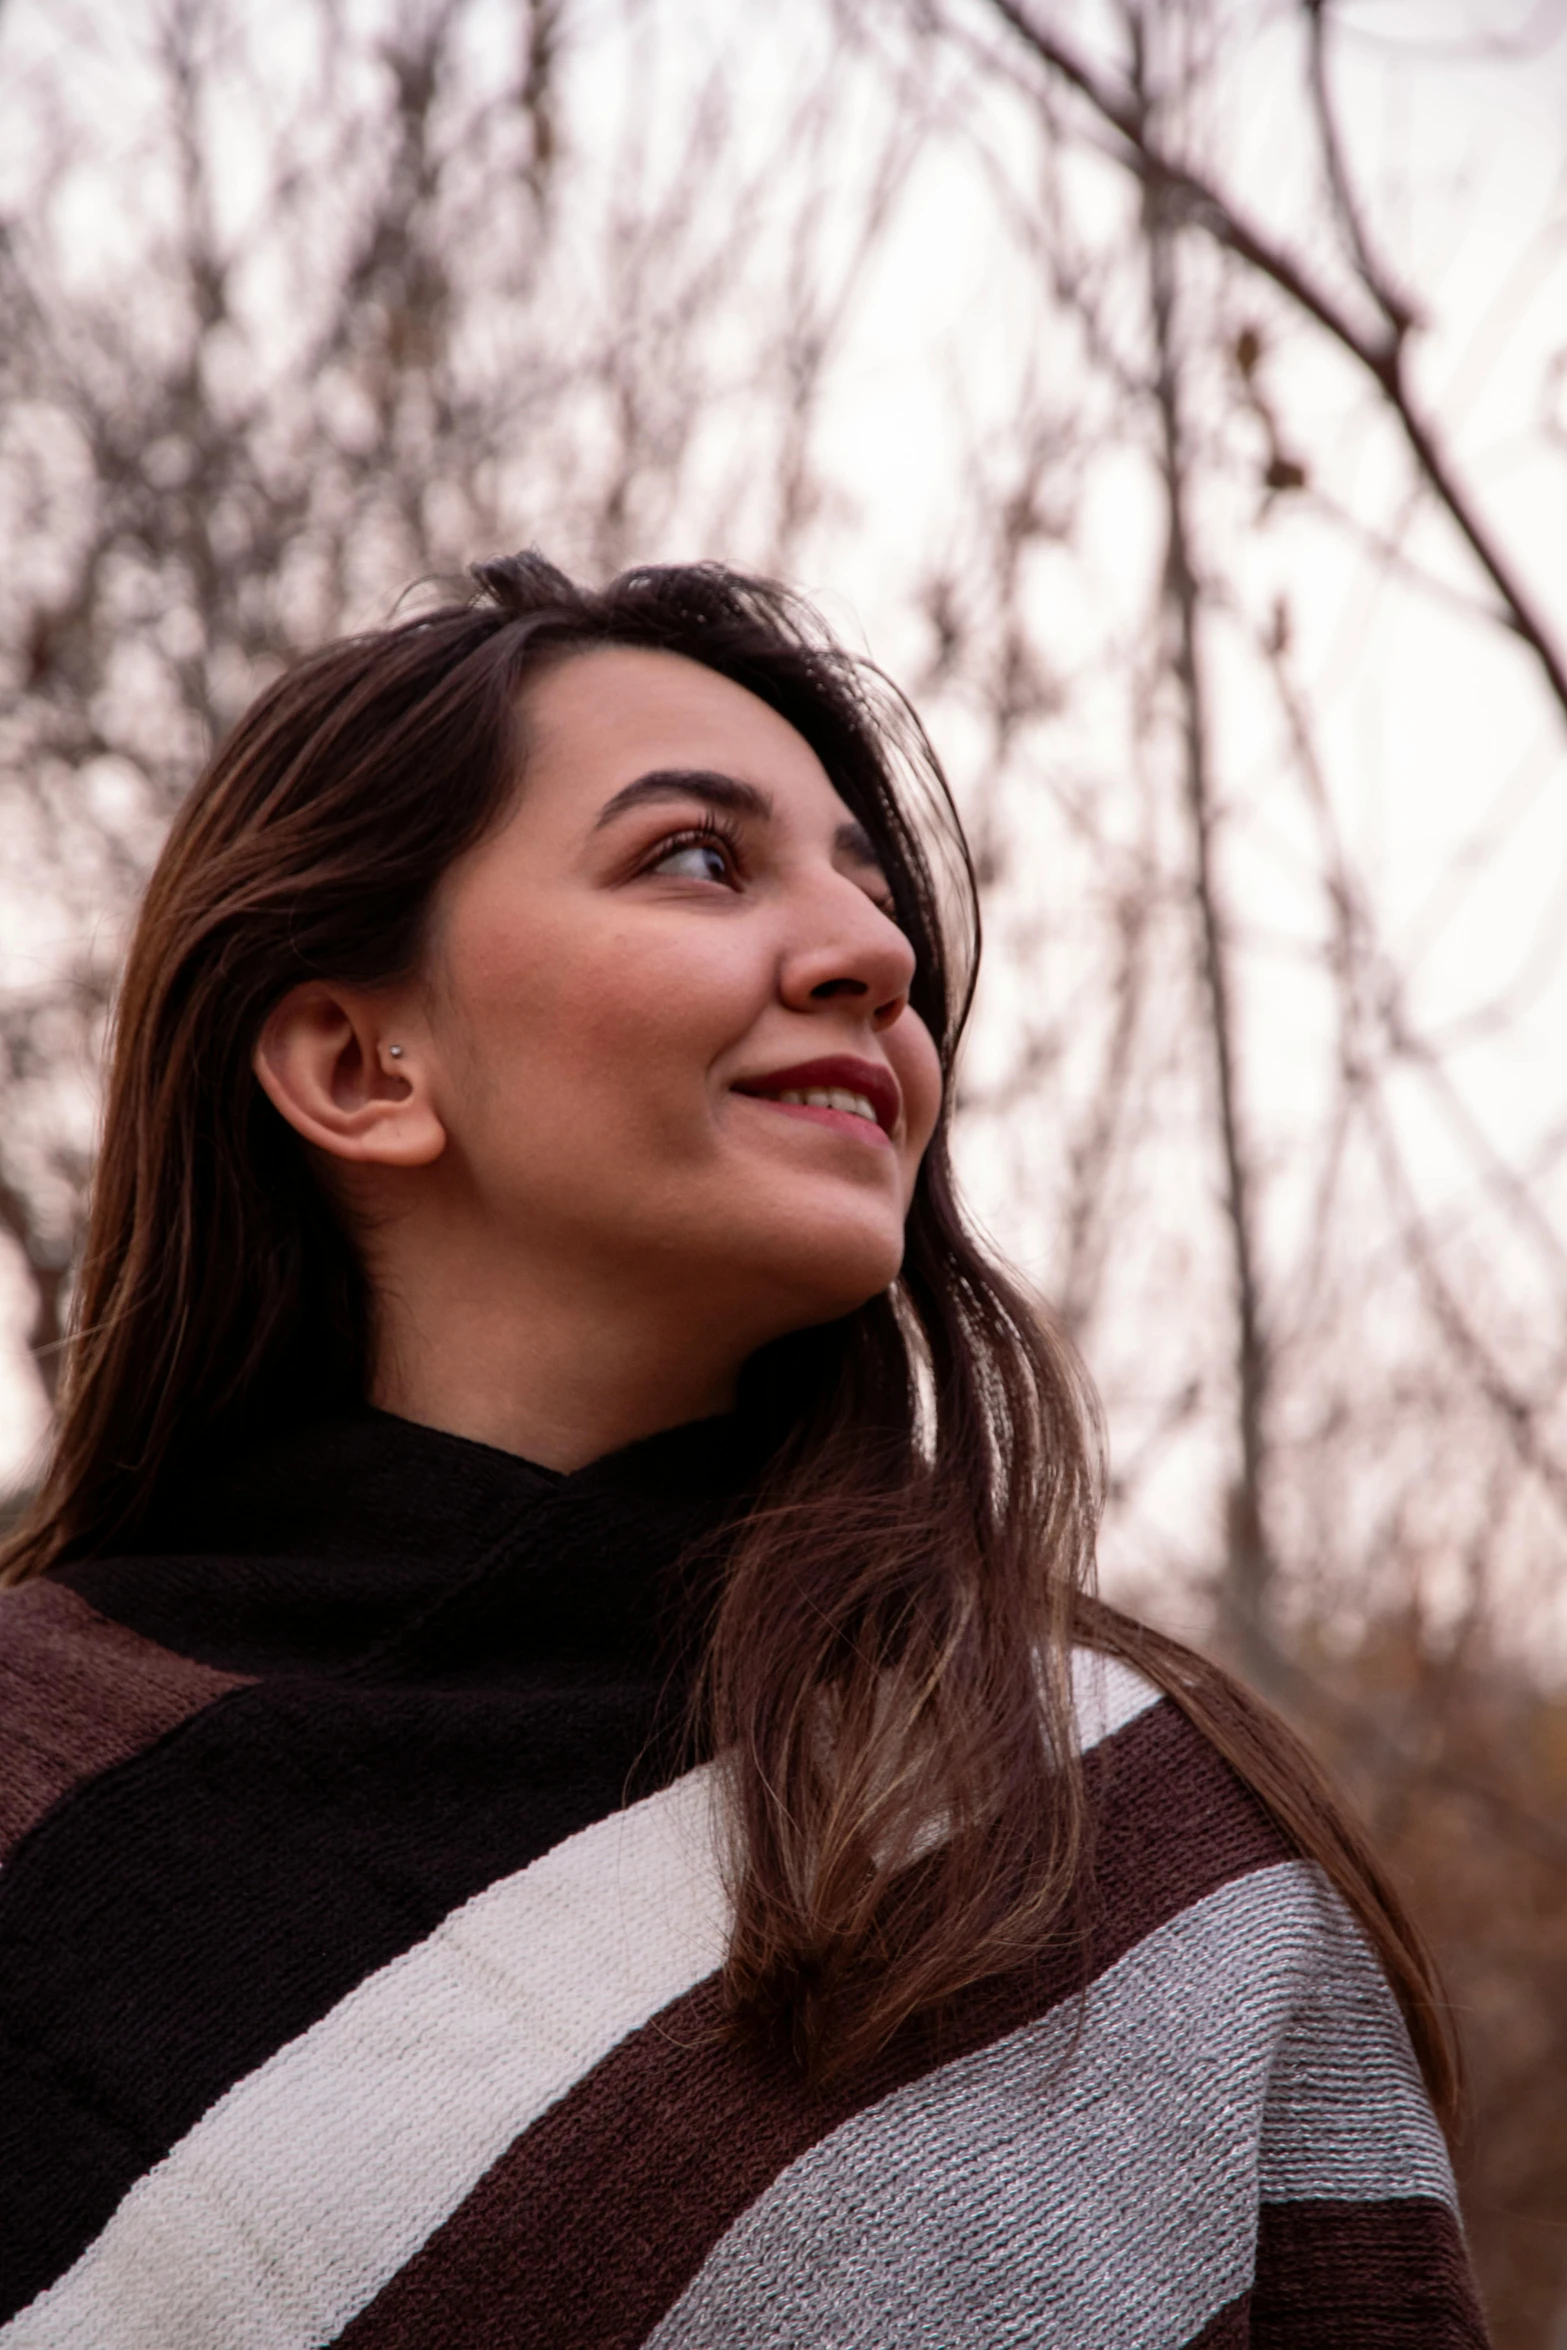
column 917, row 1064
column 602, row 1016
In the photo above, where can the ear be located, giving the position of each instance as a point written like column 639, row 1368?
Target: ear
column 325, row 1062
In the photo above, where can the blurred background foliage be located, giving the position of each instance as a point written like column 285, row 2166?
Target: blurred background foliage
column 1173, row 395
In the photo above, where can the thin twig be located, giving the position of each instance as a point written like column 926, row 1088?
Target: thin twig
column 1189, row 199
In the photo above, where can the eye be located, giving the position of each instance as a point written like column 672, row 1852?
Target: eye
column 697, row 856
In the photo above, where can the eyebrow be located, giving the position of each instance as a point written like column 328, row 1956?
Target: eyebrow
column 717, row 790
column 688, row 783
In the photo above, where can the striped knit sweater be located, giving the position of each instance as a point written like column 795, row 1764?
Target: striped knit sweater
column 358, row 1937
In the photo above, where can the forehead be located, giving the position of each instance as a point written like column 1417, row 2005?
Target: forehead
column 601, row 718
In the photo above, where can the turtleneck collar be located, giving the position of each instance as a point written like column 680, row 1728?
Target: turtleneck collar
column 375, row 1547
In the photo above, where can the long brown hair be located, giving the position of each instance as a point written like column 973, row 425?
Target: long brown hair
column 891, row 1645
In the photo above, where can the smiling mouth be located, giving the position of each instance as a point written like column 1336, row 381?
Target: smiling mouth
column 853, row 1096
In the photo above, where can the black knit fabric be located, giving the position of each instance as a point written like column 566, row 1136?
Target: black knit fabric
column 373, row 1538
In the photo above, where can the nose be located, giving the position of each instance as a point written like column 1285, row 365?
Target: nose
column 847, row 950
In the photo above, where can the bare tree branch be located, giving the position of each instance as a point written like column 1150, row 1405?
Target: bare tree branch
column 1190, row 199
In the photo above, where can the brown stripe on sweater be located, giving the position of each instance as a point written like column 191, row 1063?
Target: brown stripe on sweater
column 595, row 2220
column 1228, row 2329
column 1335, row 2276
column 77, row 1694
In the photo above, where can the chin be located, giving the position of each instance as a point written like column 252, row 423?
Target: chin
column 825, row 1283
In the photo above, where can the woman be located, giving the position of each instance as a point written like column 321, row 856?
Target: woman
column 562, row 1783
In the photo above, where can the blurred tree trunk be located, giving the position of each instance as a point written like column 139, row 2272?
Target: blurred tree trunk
column 1245, row 1580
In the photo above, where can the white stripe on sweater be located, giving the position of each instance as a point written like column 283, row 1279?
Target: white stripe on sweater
column 305, row 2188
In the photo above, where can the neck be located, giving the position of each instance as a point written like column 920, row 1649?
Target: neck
column 561, row 1380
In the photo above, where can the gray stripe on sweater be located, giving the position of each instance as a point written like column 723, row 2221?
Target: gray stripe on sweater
column 1094, row 2177
column 1347, row 2115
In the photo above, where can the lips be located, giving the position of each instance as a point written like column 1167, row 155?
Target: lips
column 836, row 1073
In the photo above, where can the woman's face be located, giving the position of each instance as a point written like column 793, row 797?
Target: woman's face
column 667, row 1009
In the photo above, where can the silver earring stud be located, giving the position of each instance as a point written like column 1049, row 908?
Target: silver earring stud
column 394, row 1052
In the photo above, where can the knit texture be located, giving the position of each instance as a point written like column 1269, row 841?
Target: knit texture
column 359, row 1925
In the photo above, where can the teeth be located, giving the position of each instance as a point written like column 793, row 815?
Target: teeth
column 825, row 1098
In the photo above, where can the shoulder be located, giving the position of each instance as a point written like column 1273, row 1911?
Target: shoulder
column 1166, row 1805
column 1198, row 1865
column 1192, row 1880
column 78, row 1694
column 1207, row 1912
